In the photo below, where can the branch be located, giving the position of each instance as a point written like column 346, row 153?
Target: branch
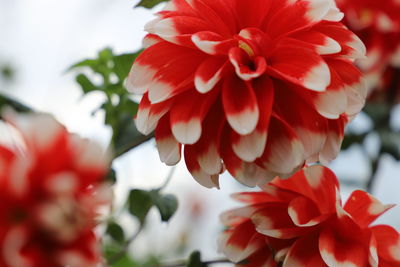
column 18, row 106
column 183, row 263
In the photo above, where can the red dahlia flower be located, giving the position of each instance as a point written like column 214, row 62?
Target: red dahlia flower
column 50, row 192
column 258, row 86
column 377, row 23
column 301, row 222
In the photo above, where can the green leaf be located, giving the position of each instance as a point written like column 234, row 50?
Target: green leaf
column 139, row 203
column 86, row 85
column 116, row 232
column 166, row 204
column 91, row 63
column 150, row 3
column 195, row 260
column 123, row 64
column 111, row 176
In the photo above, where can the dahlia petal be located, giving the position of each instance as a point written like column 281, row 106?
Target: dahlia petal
column 240, row 105
column 151, row 39
column 324, row 44
column 304, row 212
column 212, row 43
column 262, row 258
column 334, row 140
column 309, row 126
column 388, row 244
column 333, row 102
column 334, row 15
column 341, row 253
column 206, row 180
column 296, row 16
column 304, row 253
column 187, row 114
column 163, row 75
column 240, row 60
column 177, row 29
column 207, row 147
column 239, row 243
column 252, row 146
column 255, row 197
column 317, row 183
column 288, row 62
column 168, row 148
column 208, row 74
column 236, row 216
column 364, row 208
column 284, row 151
column 273, row 220
column 352, row 46
column 148, row 115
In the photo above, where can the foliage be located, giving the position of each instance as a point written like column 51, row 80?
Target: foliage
column 119, row 107
column 149, row 3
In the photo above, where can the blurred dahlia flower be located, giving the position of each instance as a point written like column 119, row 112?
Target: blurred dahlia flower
column 50, row 193
column 258, row 87
column 377, row 23
column 301, row 222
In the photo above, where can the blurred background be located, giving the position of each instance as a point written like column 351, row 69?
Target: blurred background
column 41, row 39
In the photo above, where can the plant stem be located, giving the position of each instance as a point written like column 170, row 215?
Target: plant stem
column 183, row 263
column 9, row 101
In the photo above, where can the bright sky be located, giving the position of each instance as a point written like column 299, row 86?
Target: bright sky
column 42, row 38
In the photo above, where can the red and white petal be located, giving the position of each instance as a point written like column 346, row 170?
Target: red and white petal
column 304, row 253
column 209, row 73
column 212, row 43
column 169, row 149
column 388, row 243
column 352, row 46
column 252, row 146
column 262, row 258
column 297, row 16
column 287, row 62
column 240, row 242
column 151, row 39
column 237, row 216
column 334, row 15
column 333, row 140
column 309, row 126
column 284, row 152
column 187, row 114
column 333, row 102
column 208, row 147
column 274, row 221
column 305, row 213
column 240, row 105
column 148, row 115
column 247, row 68
column 337, row 251
column 324, row 44
column 177, row 29
column 364, row 208
column 196, row 171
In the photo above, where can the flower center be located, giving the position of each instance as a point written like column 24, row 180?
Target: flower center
column 246, row 47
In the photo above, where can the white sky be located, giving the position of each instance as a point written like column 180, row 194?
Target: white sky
column 42, row 38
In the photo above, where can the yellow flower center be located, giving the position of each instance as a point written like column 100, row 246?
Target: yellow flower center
column 247, row 48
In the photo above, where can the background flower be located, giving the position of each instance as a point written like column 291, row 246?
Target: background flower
column 51, row 189
column 262, row 86
column 301, row 222
column 378, row 26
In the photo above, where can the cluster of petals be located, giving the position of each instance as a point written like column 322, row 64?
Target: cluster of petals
column 51, row 192
column 377, row 23
column 301, row 222
column 255, row 87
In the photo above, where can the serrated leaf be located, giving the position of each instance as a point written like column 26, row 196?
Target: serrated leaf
column 139, row 204
column 195, row 260
column 116, row 232
column 86, row 85
column 150, row 3
column 166, row 204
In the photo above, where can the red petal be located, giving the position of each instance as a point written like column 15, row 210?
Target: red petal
column 212, row 43
column 304, row 253
column 388, row 244
column 168, row 148
column 209, row 73
column 240, row 105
